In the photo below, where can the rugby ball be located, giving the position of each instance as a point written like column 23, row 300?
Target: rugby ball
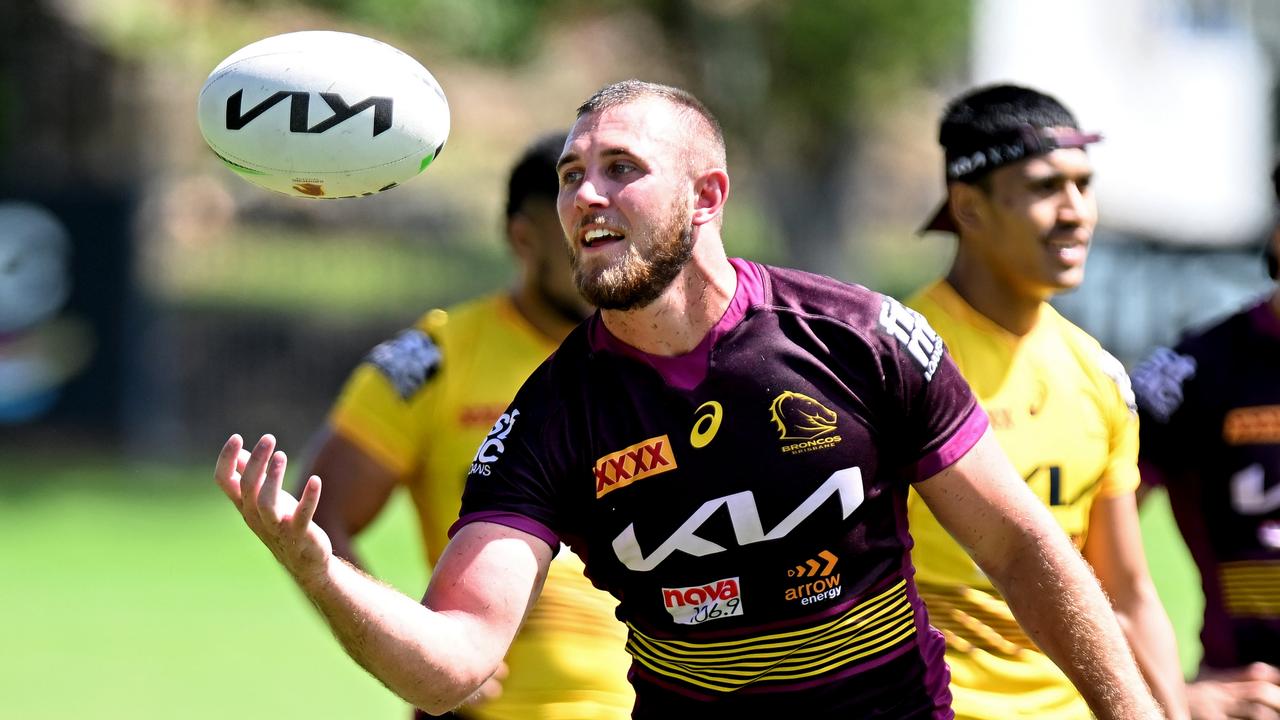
column 323, row 114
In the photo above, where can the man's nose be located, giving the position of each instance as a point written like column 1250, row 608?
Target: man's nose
column 589, row 195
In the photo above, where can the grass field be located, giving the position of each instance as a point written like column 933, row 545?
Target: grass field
column 138, row 594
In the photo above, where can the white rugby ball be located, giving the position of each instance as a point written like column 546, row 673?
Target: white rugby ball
column 323, row 114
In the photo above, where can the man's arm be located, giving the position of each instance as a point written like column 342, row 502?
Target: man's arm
column 434, row 654
column 1114, row 551
column 356, row 489
column 1010, row 534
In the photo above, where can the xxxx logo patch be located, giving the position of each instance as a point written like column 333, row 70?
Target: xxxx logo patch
column 637, row 462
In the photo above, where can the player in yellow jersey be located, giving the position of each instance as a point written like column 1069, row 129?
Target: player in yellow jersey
column 414, row 412
column 1020, row 203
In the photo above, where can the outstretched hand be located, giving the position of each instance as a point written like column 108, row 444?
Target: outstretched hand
column 253, row 482
column 1251, row 692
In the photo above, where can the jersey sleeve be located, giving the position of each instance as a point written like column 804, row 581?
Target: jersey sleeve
column 940, row 419
column 1161, row 383
column 517, row 471
column 1120, row 410
column 374, row 409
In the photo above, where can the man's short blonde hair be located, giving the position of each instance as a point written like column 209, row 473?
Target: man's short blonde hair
column 701, row 119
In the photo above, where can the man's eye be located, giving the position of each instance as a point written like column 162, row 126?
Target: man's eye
column 569, row 177
column 621, row 168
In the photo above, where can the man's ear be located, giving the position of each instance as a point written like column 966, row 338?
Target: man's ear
column 520, row 235
column 711, row 192
column 968, row 205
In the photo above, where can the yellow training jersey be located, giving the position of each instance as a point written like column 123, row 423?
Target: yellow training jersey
column 1062, row 409
column 421, row 404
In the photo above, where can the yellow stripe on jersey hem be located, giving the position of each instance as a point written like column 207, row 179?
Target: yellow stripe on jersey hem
column 871, row 628
column 1251, row 588
column 972, row 619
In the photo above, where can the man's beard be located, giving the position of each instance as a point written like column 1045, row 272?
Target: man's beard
column 639, row 276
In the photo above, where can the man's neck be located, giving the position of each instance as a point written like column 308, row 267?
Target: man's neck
column 1005, row 305
column 685, row 312
column 546, row 320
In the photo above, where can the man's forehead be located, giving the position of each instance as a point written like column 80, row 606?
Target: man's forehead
column 643, row 123
column 1063, row 161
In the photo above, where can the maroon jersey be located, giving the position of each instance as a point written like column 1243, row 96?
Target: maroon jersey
column 746, row 502
column 1211, row 433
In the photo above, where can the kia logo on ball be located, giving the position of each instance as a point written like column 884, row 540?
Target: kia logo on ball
column 299, row 107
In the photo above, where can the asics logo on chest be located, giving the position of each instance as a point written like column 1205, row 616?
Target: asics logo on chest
column 745, row 518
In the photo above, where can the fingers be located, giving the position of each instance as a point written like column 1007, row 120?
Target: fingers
column 1252, row 709
column 307, row 504
column 1255, row 671
column 1262, row 672
column 1265, row 697
column 226, row 473
column 490, row 690
column 255, row 470
column 1236, row 699
column 269, row 495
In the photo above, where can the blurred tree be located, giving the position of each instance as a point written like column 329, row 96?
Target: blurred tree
column 796, row 82
column 799, row 84
column 499, row 31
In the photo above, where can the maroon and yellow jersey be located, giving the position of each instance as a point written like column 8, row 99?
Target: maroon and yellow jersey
column 1211, row 435
column 419, row 405
column 746, row 502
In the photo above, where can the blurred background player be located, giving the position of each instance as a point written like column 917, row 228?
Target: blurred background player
column 1210, row 411
column 1021, row 206
column 414, row 412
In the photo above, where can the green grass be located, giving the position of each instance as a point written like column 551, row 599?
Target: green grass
column 342, row 274
column 155, row 601
column 137, row 592
column 1175, row 575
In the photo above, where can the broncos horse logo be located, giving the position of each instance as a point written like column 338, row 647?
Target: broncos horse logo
column 800, row 417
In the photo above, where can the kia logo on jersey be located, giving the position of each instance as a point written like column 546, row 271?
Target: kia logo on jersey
column 744, row 516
